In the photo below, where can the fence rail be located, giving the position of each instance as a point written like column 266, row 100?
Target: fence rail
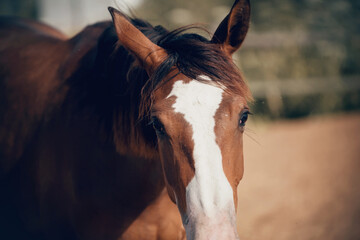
column 289, row 87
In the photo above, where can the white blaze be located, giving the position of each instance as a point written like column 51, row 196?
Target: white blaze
column 209, row 192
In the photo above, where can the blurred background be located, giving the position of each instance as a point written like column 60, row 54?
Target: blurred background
column 301, row 59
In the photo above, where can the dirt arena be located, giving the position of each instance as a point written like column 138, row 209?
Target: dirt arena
column 302, row 180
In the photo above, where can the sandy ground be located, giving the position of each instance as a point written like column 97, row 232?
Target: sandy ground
column 302, row 180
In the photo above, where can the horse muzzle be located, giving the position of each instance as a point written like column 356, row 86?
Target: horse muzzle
column 204, row 228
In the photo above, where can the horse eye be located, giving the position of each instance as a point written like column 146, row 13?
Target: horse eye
column 243, row 118
column 158, row 126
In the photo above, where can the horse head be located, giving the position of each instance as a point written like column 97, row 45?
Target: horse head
column 198, row 110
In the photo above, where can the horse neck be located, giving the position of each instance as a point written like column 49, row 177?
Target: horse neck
column 110, row 83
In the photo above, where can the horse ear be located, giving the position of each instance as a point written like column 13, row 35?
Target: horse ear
column 232, row 30
column 148, row 53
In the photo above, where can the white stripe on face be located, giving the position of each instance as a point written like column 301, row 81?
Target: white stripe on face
column 209, row 192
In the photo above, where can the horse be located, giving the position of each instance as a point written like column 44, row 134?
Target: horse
column 124, row 131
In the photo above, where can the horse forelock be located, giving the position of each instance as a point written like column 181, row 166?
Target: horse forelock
column 191, row 55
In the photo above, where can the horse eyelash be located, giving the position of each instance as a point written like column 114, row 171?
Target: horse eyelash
column 247, row 111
